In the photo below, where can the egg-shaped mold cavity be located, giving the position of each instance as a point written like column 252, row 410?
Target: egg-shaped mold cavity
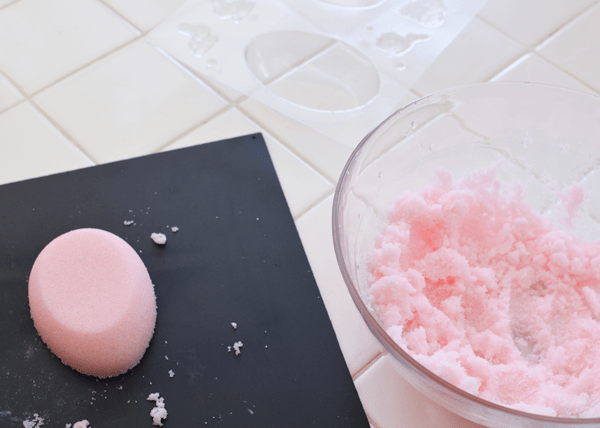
column 312, row 70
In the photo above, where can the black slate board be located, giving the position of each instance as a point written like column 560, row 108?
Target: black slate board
column 237, row 257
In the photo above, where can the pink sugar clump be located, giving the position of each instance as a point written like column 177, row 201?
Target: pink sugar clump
column 572, row 197
column 92, row 302
column 491, row 296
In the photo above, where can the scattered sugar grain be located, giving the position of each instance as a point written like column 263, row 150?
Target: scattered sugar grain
column 159, row 238
column 234, row 325
column 128, row 222
column 36, row 422
column 171, row 373
column 174, row 229
column 159, row 412
column 81, row 424
column 236, row 347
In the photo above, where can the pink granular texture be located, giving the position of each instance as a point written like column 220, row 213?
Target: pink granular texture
column 489, row 295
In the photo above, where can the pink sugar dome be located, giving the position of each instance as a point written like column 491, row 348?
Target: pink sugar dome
column 489, row 295
column 92, row 302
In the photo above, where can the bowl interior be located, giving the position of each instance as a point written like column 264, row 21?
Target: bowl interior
column 541, row 137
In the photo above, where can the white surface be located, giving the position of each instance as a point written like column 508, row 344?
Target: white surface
column 42, row 41
column 79, row 85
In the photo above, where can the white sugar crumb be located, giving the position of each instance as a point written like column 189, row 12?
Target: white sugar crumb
column 159, row 238
column 229, row 349
column 159, row 412
column 166, row 357
column 171, row 373
column 35, row 423
column 128, row 222
column 174, row 229
column 234, row 325
column 81, row 424
column 237, row 346
column 68, row 426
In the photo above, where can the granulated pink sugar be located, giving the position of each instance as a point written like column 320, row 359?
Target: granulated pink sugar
column 491, row 296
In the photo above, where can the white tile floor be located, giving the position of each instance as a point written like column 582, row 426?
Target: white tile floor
column 80, row 85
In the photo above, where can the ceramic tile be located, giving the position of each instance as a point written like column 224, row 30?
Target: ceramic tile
column 129, row 103
column 325, row 154
column 225, row 91
column 33, row 147
column 533, row 68
column 229, row 124
column 391, row 402
column 6, row 2
column 145, row 14
column 303, row 186
column 9, row 95
column 530, row 22
column 476, row 54
column 356, row 340
column 576, row 48
column 43, row 41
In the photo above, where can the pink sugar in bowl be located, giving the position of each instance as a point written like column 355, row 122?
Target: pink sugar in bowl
column 467, row 228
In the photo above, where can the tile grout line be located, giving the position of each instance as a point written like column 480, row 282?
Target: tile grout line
column 18, row 87
column 9, row 4
column 15, row 105
column 569, row 23
column 63, row 132
column 116, row 12
column 83, row 67
column 535, row 48
column 500, row 30
column 28, row 99
column 193, row 128
column 282, row 142
column 543, row 58
column 314, row 205
column 587, row 85
column 367, row 366
column 194, row 74
column 511, row 64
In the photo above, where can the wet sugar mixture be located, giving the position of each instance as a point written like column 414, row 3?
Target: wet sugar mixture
column 491, row 296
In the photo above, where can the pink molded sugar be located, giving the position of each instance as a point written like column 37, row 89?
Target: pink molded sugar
column 489, row 295
column 92, row 302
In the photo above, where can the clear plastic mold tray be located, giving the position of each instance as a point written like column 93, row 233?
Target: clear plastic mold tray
column 337, row 66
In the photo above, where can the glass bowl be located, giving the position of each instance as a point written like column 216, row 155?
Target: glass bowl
column 545, row 138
